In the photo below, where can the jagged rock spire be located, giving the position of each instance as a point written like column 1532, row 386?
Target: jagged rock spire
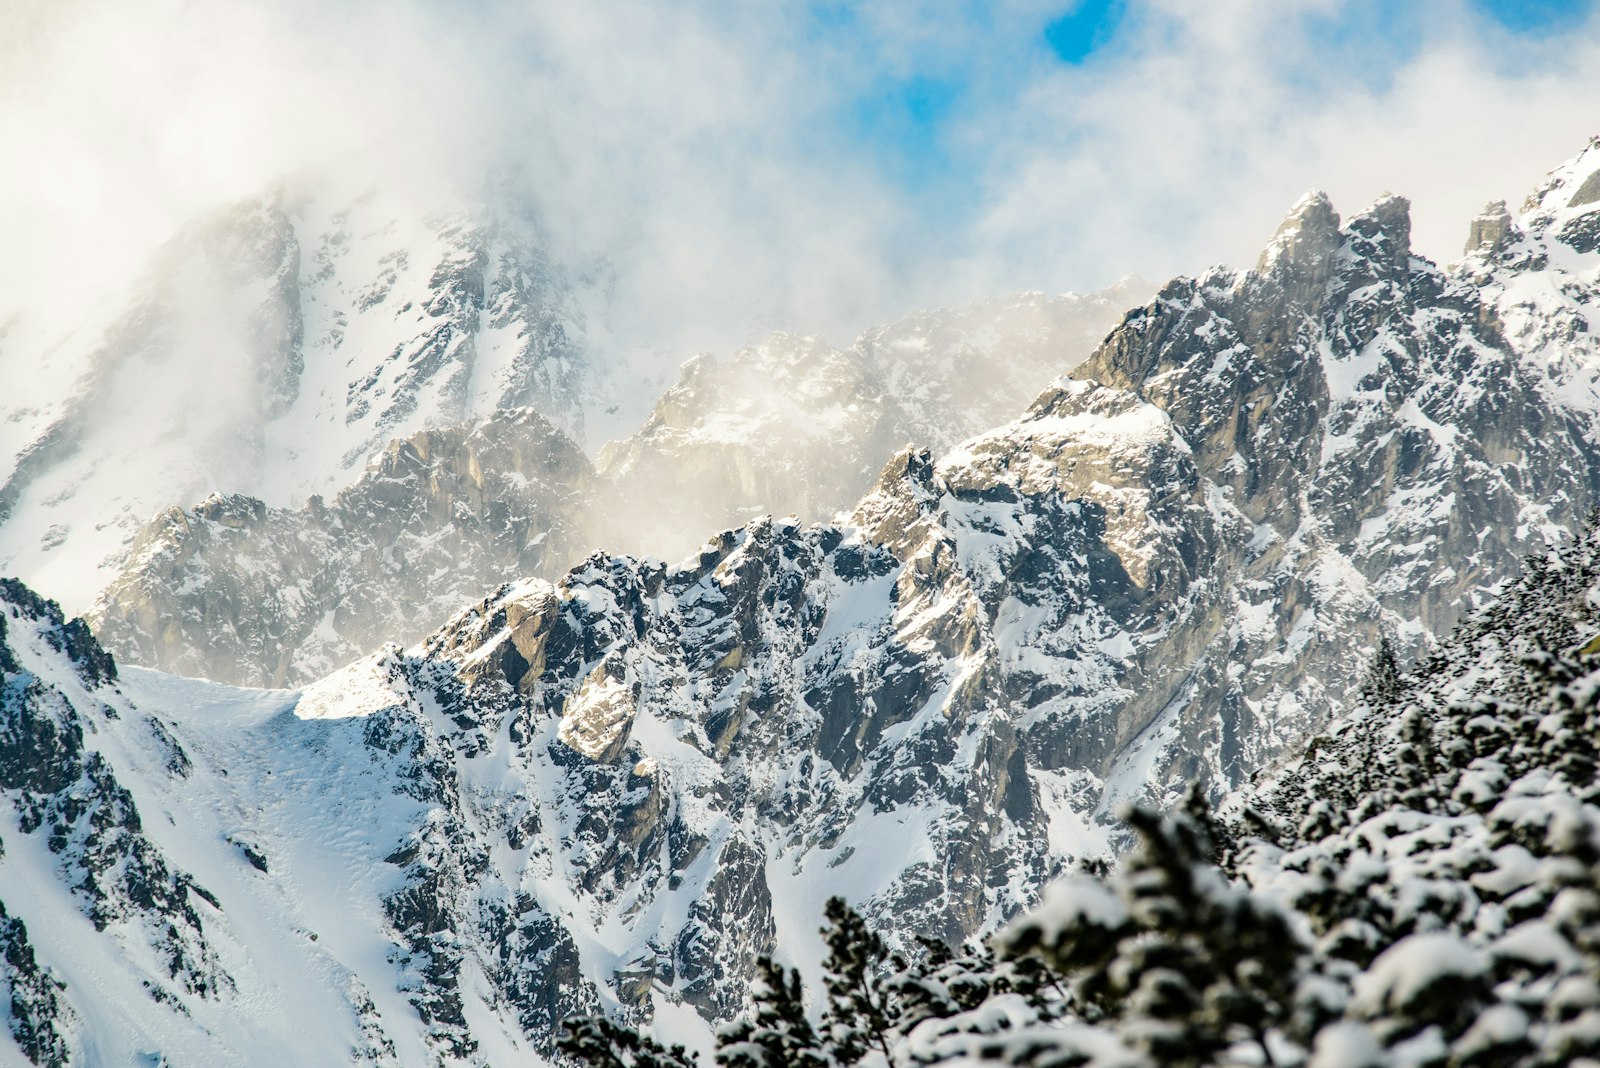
column 1382, row 233
column 1490, row 231
column 1298, row 252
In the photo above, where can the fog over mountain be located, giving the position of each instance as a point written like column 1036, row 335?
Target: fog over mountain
column 815, row 169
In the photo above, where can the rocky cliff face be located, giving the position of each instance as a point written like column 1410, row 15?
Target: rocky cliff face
column 1384, row 447
column 270, row 349
column 236, row 591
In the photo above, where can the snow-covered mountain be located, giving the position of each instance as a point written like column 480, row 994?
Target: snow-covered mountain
column 792, row 426
column 270, row 349
column 1421, row 886
column 613, row 790
column 239, row 592
column 1378, row 445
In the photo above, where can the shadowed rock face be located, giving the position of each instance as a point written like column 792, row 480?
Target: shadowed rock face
column 1491, row 231
column 239, row 592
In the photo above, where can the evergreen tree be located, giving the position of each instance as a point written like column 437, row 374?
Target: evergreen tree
column 1169, row 953
column 1383, row 683
column 858, row 1017
column 600, row 1043
column 775, row 1033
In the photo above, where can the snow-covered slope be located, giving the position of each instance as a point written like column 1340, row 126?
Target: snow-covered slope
column 200, row 875
column 270, row 349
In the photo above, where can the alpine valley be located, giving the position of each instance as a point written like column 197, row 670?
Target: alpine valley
column 983, row 577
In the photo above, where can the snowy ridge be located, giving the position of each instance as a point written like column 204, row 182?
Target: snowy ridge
column 795, row 426
column 1540, row 272
column 277, row 344
column 617, row 759
column 1387, row 452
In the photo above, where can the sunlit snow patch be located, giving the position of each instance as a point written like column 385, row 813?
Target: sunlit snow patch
column 352, row 692
column 596, row 718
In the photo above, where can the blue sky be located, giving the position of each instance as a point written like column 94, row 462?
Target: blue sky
column 903, row 117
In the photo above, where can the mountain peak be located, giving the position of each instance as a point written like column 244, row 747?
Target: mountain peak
column 1382, row 233
column 1491, row 231
column 1567, row 203
column 1299, row 250
column 1588, row 191
column 1574, row 184
column 1311, row 222
column 1390, row 211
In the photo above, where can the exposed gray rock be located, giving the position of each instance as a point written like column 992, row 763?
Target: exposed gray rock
column 239, row 592
column 40, row 1020
column 1491, row 231
column 1389, row 453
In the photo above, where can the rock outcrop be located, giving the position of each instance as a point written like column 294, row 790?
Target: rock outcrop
column 239, row 592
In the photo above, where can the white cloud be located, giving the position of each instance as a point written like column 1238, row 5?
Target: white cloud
column 1185, row 145
column 699, row 145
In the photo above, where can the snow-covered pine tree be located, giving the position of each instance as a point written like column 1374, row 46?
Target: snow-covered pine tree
column 859, row 1012
column 776, row 1032
column 600, row 1043
column 1183, row 963
column 1382, row 684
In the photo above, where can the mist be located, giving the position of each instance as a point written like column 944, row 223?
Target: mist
column 711, row 154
